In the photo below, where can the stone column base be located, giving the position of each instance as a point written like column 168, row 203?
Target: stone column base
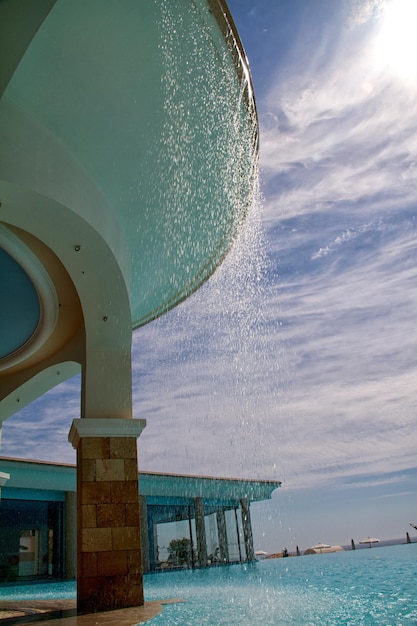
column 109, row 562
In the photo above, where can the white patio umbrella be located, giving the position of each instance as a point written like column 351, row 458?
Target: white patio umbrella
column 260, row 554
column 319, row 547
column 369, row 540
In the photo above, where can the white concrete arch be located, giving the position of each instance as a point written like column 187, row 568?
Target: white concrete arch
column 98, row 289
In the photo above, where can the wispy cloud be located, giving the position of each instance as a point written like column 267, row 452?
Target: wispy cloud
column 40, row 430
column 338, row 128
column 338, row 155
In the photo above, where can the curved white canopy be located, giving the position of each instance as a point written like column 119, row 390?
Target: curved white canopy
column 128, row 138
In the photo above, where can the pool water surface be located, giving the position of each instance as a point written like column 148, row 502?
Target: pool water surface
column 362, row 587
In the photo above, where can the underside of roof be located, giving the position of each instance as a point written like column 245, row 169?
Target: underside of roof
column 128, row 161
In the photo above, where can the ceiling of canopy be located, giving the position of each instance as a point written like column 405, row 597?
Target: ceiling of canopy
column 128, row 123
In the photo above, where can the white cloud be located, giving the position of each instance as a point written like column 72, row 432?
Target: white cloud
column 344, row 131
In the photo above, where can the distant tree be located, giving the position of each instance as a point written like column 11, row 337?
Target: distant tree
column 179, row 552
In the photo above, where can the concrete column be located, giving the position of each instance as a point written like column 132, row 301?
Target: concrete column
column 3, row 476
column 238, row 536
column 222, row 534
column 43, row 551
column 200, row 530
column 190, row 530
column 247, row 530
column 144, row 533
column 109, row 560
column 70, row 535
column 155, row 544
column 151, row 540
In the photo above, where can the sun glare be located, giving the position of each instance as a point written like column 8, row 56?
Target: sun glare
column 396, row 44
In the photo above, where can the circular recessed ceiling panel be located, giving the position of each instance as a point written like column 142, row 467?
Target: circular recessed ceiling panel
column 29, row 308
column 20, row 309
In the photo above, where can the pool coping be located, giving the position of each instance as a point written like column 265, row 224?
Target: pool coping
column 64, row 613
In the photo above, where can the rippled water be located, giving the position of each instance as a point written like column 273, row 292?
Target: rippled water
column 368, row 586
column 364, row 587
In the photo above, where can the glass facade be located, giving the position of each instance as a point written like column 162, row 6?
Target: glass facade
column 174, row 542
column 31, row 541
column 186, row 521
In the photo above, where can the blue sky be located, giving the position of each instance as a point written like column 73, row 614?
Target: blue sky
column 297, row 360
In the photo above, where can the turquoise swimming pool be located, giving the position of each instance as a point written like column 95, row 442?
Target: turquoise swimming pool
column 363, row 587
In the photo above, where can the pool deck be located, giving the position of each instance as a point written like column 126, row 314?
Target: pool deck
column 64, row 613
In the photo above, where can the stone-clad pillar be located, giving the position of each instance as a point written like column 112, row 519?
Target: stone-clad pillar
column 247, row 530
column 200, row 531
column 109, row 562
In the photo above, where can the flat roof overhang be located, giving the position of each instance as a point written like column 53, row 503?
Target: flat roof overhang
column 167, row 489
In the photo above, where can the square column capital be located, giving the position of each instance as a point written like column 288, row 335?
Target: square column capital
column 104, row 427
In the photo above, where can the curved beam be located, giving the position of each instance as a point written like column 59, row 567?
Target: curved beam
column 101, row 294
